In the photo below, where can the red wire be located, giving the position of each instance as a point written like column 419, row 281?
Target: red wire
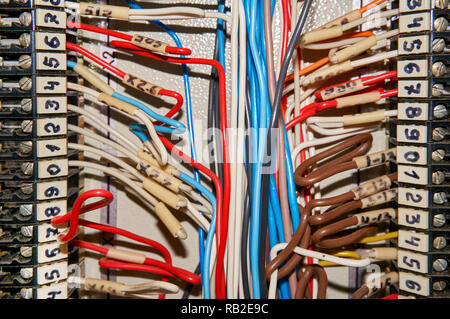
column 120, row 73
column 222, row 215
column 393, row 296
column 78, row 209
column 366, row 80
column 124, row 36
column 108, row 263
column 178, row 272
column 96, row 59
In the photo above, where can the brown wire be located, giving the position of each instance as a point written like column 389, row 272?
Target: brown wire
column 361, row 292
column 298, row 236
column 332, row 229
column 353, row 237
column 343, row 163
column 305, row 277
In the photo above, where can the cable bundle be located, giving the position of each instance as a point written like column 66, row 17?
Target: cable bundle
column 265, row 212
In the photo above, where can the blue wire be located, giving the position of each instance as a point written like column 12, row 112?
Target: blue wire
column 179, row 127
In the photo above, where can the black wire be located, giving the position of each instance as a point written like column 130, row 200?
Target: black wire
column 190, row 286
column 211, row 110
column 274, row 125
column 247, row 202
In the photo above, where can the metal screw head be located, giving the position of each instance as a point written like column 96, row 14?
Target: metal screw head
column 25, row 40
column 439, row 285
column 26, row 105
column 440, row 24
column 438, row 177
column 27, row 168
column 26, row 210
column 439, row 242
column 438, row 69
column 25, row 19
column 26, row 293
column 438, row 89
column 438, row 155
column 25, row 62
column 438, row 45
column 26, row 273
column 439, row 220
column 439, row 198
column 440, row 111
column 27, row 126
column 27, row 231
column 26, row 251
column 25, row 148
column 441, row 4
column 25, row 84
column 440, row 264
column 439, row 133
column 27, row 188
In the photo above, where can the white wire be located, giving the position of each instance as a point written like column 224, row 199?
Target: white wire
column 82, row 89
column 106, row 155
column 91, row 119
column 104, row 140
column 161, row 155
column 124, row 179
column 331, row 45
column 196, row 216
column 375, row 58
column 338, row 131
column 325, row 140
column 313, row 254
column 230, row 275
column 378, row 15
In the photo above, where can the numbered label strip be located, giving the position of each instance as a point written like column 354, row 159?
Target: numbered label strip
column 415, row 284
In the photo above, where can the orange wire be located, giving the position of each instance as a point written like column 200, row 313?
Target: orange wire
column 310, row 68
column 371, row 5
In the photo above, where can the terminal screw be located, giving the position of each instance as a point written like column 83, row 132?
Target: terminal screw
column 440, row 264
column 440, row 111
column 438, row 69
column 439, row 220
column 439, row 242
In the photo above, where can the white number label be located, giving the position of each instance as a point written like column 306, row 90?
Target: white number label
column 50, row 3
column 410, row 88
column 413, row 44
column 413, row 111
column 51, row 190
column 48, row 210
column 51, row 18
column 413, row 197
column 51, row 104
column 52, row 126
column 413, row 217
column 50, row 41
column 416, row 284
column 413, row 240
column 413, row 174
column 56, row 291
column 53, row 168
column 52, row 252
column 51, row 85
column 412, row 133
column 50, row 148
column 51, row 61
column 412, row 68
column 412, row 155
column 416, row 22
column 412, row 261
column 51, row 273
column 414, row 5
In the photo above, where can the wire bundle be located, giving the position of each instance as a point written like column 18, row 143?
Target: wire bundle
column 265, row 211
